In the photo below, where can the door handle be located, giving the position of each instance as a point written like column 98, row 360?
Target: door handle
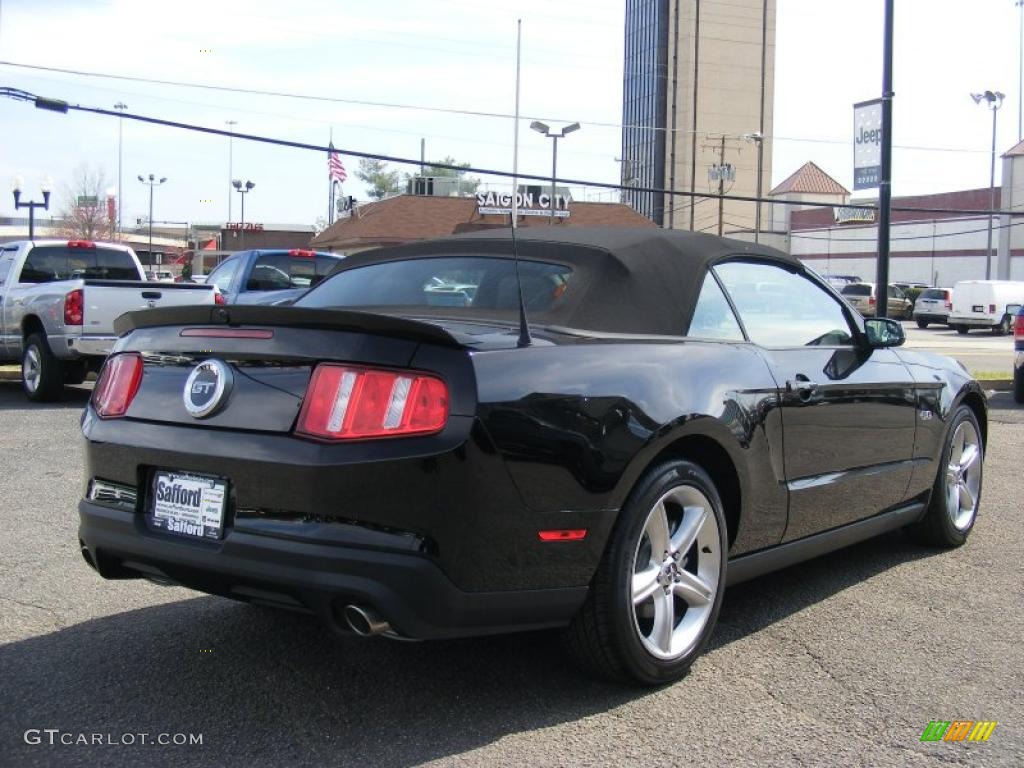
column 802, row 385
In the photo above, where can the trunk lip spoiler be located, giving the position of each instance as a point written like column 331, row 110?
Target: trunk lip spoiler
column 294, row 317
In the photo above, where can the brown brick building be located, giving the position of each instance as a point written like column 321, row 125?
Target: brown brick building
column 407, row 218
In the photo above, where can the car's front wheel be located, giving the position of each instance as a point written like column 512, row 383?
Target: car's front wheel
column 655, row 597
column 922, row 324
column 956, row 495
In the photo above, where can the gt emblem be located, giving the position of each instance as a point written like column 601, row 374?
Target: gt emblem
column 207, row 388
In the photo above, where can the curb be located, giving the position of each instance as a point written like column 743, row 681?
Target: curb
column 999, row 385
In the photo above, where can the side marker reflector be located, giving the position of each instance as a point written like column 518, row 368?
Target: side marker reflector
column 574, row 534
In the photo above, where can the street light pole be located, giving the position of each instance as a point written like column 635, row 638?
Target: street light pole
column 545, row 130
column 758, row 138
column 243, row 190
column 151, row 182
column 120, row 107
column 231, row 172
column 44, row 187
column 994, row 100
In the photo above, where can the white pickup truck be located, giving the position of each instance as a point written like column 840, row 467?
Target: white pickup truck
column 58, row 302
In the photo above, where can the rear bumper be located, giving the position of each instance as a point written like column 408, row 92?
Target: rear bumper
column 86, row 346
column 931, row 317
column 406, row 588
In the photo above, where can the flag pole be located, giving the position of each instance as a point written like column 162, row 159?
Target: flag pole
column 330, row 180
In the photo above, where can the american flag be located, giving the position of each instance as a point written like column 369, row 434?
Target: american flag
column 335, row 166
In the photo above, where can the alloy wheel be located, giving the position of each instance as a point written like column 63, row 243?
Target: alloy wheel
column 675, row 573
column 963, row 476
column 31, row 369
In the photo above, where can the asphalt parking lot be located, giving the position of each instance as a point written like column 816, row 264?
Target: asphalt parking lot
column 840, row 661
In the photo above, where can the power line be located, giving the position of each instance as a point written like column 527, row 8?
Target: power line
column 444, row 110
column 903, row 237
column 57, row 105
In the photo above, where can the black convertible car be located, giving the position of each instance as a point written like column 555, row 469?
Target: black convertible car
column 399, row 454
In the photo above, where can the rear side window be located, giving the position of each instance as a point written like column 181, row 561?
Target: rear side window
column 281, row 271
column 457, row 281
column 856, row 290
column 49, row 263
column 713, row 317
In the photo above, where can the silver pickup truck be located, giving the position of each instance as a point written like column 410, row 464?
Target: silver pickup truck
column 58, row 302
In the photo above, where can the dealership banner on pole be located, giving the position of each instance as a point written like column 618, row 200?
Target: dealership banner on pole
column 867, row 144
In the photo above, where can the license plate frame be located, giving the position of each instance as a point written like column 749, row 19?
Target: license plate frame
column 189, row 505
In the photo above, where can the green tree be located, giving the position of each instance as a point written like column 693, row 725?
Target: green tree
column 381, row 180
column 467, row 184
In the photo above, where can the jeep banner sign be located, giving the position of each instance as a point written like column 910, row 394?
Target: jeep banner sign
column 867, row 144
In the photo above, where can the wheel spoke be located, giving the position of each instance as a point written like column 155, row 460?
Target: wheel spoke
column 686, row 533
column 664, row 621
column 657, row 531
column 693, row 589
column 966, row 498
column 969, row 457
column 645, row 583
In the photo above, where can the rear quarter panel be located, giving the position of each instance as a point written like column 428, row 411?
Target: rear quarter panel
column 579, row 424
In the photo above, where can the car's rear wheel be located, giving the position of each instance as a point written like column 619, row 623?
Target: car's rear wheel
column 961, row 329
column 1018, row 385
column 42, row 376
column 655, row 598
column 953, row 508
column 1005, row 327
column 922, row 324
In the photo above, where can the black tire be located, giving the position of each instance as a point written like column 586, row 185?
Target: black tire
column 75, row 372
column 42, row 375
column 961, row 329
column 937, row 527
column 922, row 324
column 1005, row 327
column 1018, row 385
column 605, row 637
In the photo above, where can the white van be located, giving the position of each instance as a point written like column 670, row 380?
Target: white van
column 986, row 304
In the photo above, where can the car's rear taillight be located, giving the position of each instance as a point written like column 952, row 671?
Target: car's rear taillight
column 1018, row 328
column 871, row 301
column 991, row 309
column 218, row 297
column 949, row 305
column 350, row 403
column 74, row 307
column 119, row 381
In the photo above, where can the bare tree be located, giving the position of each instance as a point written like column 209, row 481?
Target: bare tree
column 84, row 205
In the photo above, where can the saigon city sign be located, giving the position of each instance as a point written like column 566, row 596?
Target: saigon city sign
column 528, row 204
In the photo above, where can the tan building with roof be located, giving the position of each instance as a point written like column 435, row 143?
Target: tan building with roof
column 1010, row 235
column 407, row 218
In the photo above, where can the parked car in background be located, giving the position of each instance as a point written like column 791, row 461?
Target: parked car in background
column 271, row 276
column 58, row 302
column 989, row 304
column 1018, row 357
column 840, row 280
column 672, row 412
column 161, row 276
column 863, row 297
column 933, row 305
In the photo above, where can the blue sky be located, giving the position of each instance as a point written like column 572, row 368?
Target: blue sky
column 459, row 54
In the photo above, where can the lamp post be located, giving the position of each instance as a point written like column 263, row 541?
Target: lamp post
column 758, row 138
column 544, row 129
column 120, row 107
column 44, row 187
column 151, row 182
column 231, row 171
column 243, row 190
column 993, row 100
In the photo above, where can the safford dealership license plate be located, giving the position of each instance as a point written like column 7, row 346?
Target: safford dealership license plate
column 188, row 505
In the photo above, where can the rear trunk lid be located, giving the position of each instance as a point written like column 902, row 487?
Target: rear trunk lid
column 106, row 300
column 271, row 352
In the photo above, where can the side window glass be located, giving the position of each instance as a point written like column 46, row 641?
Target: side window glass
column 713, row 317
column 780, row 308
column 222, row 275
column 270, row 273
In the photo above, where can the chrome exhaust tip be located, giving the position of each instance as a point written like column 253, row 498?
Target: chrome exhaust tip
column 364, row 621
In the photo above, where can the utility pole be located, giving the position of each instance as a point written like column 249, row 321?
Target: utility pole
column 885, row 172
column 231, row 171
column 120, row 107
column 720, row 172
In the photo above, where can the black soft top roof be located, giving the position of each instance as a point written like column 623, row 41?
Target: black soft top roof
column 626, row 280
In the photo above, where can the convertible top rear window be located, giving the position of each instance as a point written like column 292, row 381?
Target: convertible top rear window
column 472, row 282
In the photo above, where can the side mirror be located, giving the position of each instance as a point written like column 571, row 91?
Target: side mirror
column 883, row 332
